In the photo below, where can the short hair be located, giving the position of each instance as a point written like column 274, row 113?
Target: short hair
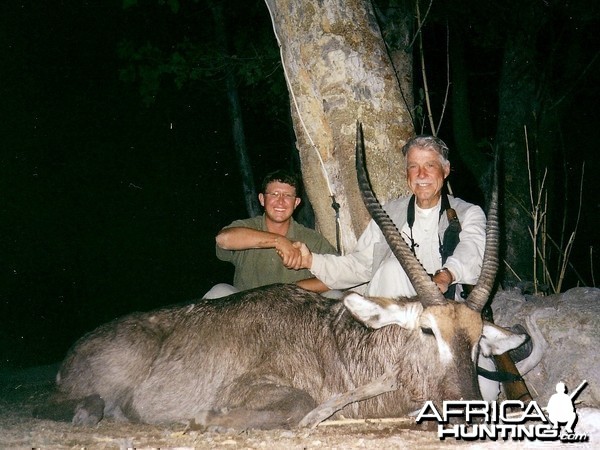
column 426, row 141
column 283, row 176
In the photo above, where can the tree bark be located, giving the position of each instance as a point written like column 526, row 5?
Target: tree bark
column 517, row 110
column 338, row 71
column 396, row 23
column 237, row 123
column 462, row 125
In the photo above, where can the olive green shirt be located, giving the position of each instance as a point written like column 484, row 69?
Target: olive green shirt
column 261, row 266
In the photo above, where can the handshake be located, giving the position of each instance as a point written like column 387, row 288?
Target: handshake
column 294, row 255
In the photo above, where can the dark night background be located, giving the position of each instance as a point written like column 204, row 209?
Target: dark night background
column 109, row 205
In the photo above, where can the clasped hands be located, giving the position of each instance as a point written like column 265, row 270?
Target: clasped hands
column 294, row 255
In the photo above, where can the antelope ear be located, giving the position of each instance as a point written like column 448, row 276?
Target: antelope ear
column 496, row 340
column 380, row 312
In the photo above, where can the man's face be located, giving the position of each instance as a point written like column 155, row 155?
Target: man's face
column 426, row 175
column 279, row 201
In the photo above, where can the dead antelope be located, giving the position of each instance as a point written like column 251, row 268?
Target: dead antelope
column 265, row 358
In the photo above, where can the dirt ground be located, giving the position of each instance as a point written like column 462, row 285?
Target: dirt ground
column 22, row 390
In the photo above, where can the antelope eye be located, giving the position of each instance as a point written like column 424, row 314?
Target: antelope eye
column 426, row 330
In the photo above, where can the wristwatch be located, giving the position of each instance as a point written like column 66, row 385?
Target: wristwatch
column 445, row 269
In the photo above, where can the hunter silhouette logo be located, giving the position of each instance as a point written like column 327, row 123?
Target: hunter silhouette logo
column 508, row 420
column 561, row 406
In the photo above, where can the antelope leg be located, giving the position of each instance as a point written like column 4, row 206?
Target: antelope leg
column 385, row 383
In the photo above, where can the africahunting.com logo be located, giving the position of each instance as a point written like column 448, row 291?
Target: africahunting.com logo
column 507, row 420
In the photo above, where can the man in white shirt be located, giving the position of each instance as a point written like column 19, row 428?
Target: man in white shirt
column 422, row 219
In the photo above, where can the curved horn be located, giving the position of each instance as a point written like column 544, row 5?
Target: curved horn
column 426, row 289
column 482, row 291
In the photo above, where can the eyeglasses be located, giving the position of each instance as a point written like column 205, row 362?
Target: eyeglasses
column 277, row 195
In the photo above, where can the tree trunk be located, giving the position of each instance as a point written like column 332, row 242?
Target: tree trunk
column 396, row 22
column 517, row 110
column 239, row 143
column 237, row 123
column 464, row 136
column 338, row 71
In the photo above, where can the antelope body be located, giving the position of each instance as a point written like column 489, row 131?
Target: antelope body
column 264, row 358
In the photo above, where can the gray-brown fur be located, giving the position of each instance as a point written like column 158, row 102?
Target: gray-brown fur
column 265, row 358
column 270, row 354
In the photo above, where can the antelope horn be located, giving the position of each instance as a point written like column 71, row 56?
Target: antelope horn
column 426, row 289
column 482, row 291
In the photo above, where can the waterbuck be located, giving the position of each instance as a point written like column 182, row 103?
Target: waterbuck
column 266, row 357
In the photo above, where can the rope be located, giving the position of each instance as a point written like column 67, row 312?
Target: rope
column 334, row 205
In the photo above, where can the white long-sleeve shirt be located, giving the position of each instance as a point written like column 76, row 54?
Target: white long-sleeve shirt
column 373, row 265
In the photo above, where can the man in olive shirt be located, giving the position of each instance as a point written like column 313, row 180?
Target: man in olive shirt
column 261, row 248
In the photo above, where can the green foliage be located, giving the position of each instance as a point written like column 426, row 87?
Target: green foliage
column 174, row 5
column 129, row 3
column 196, row 56
column 146, row 64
